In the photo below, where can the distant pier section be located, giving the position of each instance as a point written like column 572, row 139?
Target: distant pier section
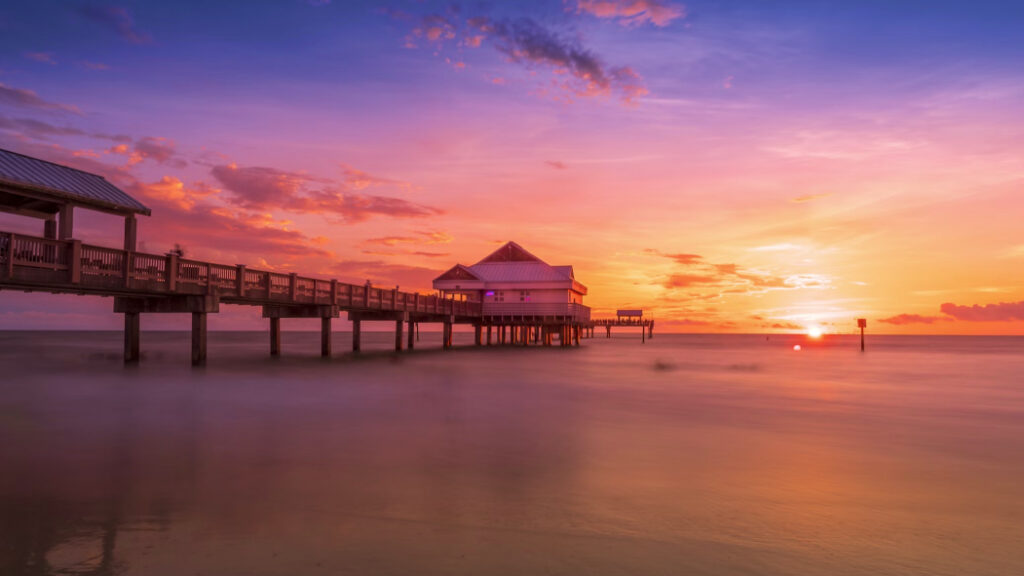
column 631, row 318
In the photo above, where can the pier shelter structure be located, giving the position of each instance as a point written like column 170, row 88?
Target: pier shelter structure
column 59, row 263
column 627, row 318
column 524, row 299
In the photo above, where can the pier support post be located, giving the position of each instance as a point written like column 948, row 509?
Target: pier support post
column 412, row 334
column 131, row 337
column 398, row 335
column 325, row 336
column 446, row 335
column 489, row 334
column 198, row 338
column 356, row 329
column 275, row 336
column 608, row 332
column 478, row 336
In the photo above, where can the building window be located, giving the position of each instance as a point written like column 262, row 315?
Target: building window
column 499, row 297
column 524, row 295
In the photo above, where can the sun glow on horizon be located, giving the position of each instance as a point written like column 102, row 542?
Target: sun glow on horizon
column 814, row 331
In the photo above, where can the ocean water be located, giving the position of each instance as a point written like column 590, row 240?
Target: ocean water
column 681, row 455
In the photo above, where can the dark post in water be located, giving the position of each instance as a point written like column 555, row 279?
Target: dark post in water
column 862, row 323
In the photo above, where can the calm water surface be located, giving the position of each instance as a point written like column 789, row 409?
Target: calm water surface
column 684, row 455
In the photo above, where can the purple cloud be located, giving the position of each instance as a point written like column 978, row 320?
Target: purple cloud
column 1001, row 312
column 117, row 18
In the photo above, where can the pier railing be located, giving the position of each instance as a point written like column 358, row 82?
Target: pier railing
column 566, row 310
column 32, row 262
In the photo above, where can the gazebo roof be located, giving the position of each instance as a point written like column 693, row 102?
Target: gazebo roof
column 512, row 264
column 45, row 186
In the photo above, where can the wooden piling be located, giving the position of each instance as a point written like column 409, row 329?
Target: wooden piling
column 398, row 335
column 412, row 335
column 198, row 338
column 356, row 329
column 131, row 337
column 275, row 336
column 325, row 336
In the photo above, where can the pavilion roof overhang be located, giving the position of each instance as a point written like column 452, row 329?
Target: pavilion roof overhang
column 35, row 187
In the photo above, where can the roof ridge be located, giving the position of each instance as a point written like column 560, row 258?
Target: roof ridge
column 497, row 257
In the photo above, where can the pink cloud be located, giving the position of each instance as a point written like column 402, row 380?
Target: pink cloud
column 385, row 274
column 185, row 218
column 902, row 319
column 1001, row 312
column 262, row 188
column 633, row 12
column 44, row 57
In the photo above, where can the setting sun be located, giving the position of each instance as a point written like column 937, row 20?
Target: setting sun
column 814, row 331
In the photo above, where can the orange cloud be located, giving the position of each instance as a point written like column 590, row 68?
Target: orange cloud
column 423, row 237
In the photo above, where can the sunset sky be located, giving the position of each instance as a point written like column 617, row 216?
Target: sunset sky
column 729, row 166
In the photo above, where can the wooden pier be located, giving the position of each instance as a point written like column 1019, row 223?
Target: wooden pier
column 142, row 283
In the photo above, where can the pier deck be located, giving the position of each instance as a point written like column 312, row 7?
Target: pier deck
column 150, row 283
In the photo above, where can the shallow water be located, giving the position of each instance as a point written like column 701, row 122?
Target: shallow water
column 682, row 455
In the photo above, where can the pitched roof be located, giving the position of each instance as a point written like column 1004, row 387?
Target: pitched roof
column 459, row 272
column 510, row 252
column 64, row 183
column 511, row 264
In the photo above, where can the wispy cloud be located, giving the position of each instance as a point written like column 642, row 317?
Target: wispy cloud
column 903, row 319
column 633, row 12
column 556, row 164
column 118, row 19
column 23, row 98
column 729, row 278
column 685, row 259
column 425, row 237
column 809, row 198
column 576, row 71
column 386, row 274
column 44, row 57
column 39, row 130
column 525, row 41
